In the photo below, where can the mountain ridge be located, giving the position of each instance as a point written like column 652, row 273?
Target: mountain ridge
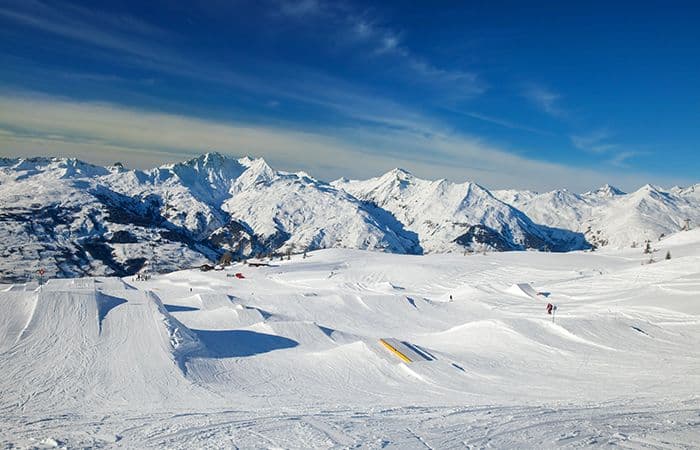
column 75, row 218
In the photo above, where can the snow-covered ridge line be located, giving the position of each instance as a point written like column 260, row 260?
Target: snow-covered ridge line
column 74, row 218
column 608, row 216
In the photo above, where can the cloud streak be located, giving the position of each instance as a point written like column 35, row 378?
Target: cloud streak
column 620, row 159
column 102, row 133
column 595, row 142
column 123, row 33
column 359, row 28
column 501, row 122
column 287, row 81
column 367, row 124
column 545, row 100
column 598, row 142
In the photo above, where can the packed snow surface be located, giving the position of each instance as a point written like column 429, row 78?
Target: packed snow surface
column 290, row 355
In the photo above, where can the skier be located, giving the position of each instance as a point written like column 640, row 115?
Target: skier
column 549, row 308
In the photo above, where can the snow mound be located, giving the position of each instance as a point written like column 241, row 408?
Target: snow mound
column 84, row 337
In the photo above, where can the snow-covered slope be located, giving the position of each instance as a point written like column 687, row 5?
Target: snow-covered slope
column 295, row 211
column 290, row 356
column 608, row 216
column 556, row 208
column 191, row 193
column 645, row 214
column 451, row 217
column 61, row 215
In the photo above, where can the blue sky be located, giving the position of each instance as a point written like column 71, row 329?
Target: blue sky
column 536, row 96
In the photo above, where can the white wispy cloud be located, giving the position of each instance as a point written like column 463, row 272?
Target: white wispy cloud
column 620, row 159
column 103, row 133
column 501, row 122
column 595, row 141
column 123, row 33
column 388, row 43
column 544, row 99
column 599, row 142
column 382, row 133
column 361, row 30
column 286, row 81
column 357, row 27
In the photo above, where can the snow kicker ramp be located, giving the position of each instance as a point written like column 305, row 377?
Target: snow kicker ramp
column 525, row 289
column 214, row 300
column 79, row 348
column 17, row 308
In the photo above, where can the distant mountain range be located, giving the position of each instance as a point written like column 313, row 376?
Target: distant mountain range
column 72, row 218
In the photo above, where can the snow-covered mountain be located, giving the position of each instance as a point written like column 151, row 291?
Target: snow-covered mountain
column 298, row 212
column 449, row 216
column 72, row 218
column 608, row 216
column 65, row 216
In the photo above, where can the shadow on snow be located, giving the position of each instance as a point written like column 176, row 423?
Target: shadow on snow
column 240, row 343
column 177, row 308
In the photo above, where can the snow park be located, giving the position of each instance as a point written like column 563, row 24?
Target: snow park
column 348, row 348
column 341, row 347
column 349, row 224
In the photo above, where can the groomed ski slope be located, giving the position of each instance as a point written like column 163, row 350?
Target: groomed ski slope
column 290, row 356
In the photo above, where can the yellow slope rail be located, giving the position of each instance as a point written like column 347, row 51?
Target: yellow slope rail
column 392, row 349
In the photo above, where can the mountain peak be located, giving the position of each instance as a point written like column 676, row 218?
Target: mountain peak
column 207, row 160
column 607, row 190
column 213, row 158
column 246, row 160
column 650, row 188
column 60, row 166
column 258, row 168
column 256, row 171
column 399, row 174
